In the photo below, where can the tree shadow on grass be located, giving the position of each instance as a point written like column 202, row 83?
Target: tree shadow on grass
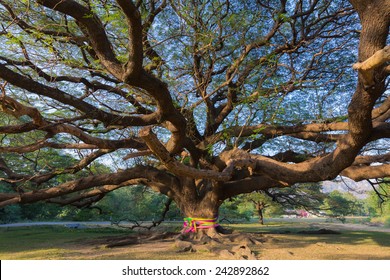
column 13, row 240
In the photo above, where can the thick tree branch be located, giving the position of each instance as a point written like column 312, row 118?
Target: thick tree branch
column 133, row 66
column 309, row 131
column 175, row 167
column 169, row 183
column 96, row 192
column 368, row 67
column 95, row 31
column 247, row 185
column 65, row 98
column 359, row 173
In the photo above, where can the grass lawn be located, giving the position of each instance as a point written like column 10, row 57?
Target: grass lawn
column 48, row 242
column 281, row 241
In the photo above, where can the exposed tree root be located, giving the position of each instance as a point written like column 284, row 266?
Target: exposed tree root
column 238, row 244
column 227, row 246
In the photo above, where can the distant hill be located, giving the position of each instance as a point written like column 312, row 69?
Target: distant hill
column 358, row 189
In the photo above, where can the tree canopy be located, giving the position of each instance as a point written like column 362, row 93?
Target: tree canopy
column 198, row 100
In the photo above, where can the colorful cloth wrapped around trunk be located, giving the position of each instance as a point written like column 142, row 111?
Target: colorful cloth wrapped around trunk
column 192, row 224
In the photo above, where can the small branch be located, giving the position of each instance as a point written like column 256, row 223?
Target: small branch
column 137, row 154
column 133, row 66
column 381, row 196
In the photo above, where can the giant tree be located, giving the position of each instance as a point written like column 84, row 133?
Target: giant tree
column 202, row 100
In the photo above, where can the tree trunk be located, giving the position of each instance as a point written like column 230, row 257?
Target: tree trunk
column 261, row 217
column 260, row 206
column 200, row 215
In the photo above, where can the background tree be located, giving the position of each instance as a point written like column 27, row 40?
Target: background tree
column 378, row 203
column 261, row 201
column 307, row 197
column 340, row 205
column 203, row 100
column 236, row 209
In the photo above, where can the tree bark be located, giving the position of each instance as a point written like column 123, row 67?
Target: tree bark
column 261, row 217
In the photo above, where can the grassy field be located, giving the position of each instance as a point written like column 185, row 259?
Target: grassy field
column 282, row 241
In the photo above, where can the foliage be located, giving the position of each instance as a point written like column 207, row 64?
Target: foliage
column 268, row 205
column 340, row 205
column 136, row 203
column 9, row 214
column 379, row 204
column 236, row 208
column 127, row 204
